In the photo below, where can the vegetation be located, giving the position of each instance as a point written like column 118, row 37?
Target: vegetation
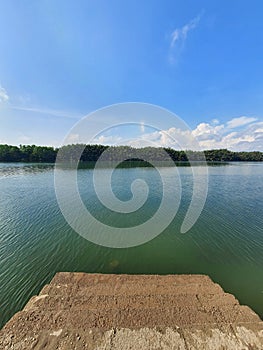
column 39, row 154
column 43, row 154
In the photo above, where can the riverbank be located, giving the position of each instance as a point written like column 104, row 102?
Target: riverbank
column 105, row 311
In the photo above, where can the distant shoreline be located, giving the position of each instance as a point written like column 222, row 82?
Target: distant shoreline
column 91, row 153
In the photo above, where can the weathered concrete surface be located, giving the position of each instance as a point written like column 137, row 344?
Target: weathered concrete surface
column 95, row 311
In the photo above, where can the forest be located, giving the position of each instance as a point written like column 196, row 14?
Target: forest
column 44, row 154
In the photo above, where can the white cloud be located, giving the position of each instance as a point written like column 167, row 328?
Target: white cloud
column 215, row 121
column 101, row 140
column 179, row 35
column 73, row 138
column 3, row 95
column 239, row 134
column 240, row 121
column 108, row 140
column 207, row 129
column 245, row 134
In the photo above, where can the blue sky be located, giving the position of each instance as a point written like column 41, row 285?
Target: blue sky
column 60, row 60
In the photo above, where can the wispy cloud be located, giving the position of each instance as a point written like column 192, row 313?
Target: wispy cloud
column 53, row 112
column 3, row 95
column 240, row 121
column 22, row 103
column 179, row 35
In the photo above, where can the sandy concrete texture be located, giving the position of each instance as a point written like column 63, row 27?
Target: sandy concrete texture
column 105, row 311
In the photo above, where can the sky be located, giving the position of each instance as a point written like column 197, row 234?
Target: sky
column 202, row 60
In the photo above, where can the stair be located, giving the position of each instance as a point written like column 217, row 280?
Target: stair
column 99, row 311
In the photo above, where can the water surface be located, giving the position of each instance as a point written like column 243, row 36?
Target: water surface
column 226, row 242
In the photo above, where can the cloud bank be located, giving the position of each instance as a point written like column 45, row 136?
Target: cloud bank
column 238, row 134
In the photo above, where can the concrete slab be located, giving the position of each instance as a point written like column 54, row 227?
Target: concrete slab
column 96, row 311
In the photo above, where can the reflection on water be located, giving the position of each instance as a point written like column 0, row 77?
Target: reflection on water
column 36, row 242
column 16, row 169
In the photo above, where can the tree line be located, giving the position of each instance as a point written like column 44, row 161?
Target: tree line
column 44, row 154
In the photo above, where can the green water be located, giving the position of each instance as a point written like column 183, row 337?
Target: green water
column 226, row 242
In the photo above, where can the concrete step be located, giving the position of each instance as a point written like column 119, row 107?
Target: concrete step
column 79, row 284
column 84, row 279
column 95, row 311
column 87, row 301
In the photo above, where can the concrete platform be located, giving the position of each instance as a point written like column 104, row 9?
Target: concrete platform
column 96, row 311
